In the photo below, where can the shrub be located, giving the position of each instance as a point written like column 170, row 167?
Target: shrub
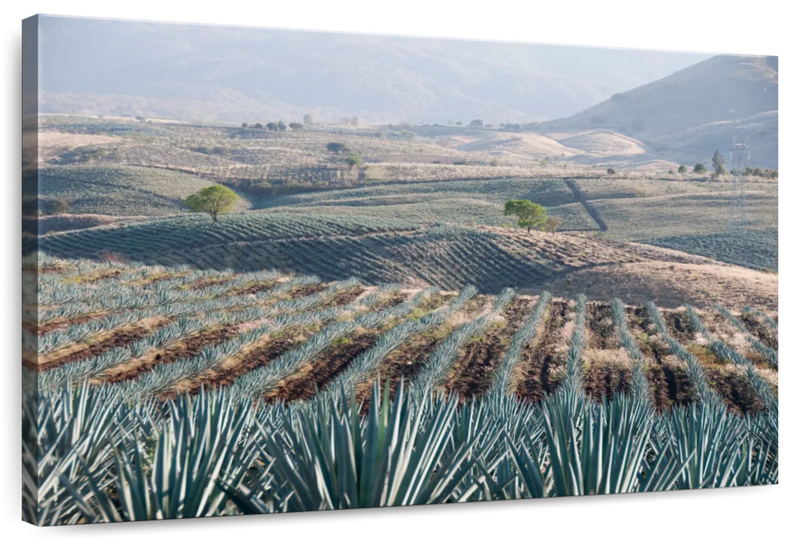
column 336, row 147
column 682, row 169
column 354, row 160
column 700, row 168
column 611, row 171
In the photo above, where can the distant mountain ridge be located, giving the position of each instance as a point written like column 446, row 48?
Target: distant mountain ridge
column 688, row 115
column 210, row 73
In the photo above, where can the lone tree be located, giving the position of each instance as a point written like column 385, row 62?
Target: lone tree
column 700, row 168
column 719, row 164
column 611, row 171
column 476, row 123
column 354, row 160
column 281, row 125
column 212, row 200
column 551, row 224
column 681, row 169
column 529, row 214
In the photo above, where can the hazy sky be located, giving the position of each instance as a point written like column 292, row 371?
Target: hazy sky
column 224, row 72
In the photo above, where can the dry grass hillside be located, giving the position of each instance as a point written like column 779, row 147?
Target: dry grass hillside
column 695, row 110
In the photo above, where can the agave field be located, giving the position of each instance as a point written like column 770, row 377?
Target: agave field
column 373, row 249
column 160, row 392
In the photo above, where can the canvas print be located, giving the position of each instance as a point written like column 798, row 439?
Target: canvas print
column 272, row 271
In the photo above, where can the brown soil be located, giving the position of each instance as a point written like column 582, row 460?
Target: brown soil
column 343, row 298
column 600, row 326
column 603, row 379
column 393, row 300
column 252, row 289
column 678, row 326
column 261, row 356
column 30, row 327
column 436, row 301
column 760, row 330
column 538, row 361
column 101, row 275
column 154, row 279
column 735, row 389
column 318, row 373
column 403, row 363
column 65, row 322
column 406, row 361
column 662, row 378
column 208, row 282
column 473, row 373
column 118, row 338
column 306, row 290
column 190, row 347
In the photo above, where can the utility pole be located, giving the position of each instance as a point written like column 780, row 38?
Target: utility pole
column 737, row 217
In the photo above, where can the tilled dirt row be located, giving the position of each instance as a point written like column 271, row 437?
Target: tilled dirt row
column 405, row 362
column 539, row 364
column 187, row 348
column 473, row 373
column 318, row 373
column 119, row 338
column 760, row 330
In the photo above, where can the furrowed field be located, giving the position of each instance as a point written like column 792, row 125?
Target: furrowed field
column 366, row 327
column 270, row 392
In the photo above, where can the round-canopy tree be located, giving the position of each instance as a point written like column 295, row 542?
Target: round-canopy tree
column 529, row 214
column 212, row 200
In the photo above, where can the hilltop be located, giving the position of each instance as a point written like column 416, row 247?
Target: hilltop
column 688, row 115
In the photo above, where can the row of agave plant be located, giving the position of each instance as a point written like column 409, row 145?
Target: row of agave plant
column 91, row 455
column 109, row 453
column 166, row 300
column 260, row 307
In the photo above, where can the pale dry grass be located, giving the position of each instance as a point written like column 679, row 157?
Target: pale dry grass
column 52, row 144
column 671, row 285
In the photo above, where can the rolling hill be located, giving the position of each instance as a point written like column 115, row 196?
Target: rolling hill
column 380, row 250
column 688, row 115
